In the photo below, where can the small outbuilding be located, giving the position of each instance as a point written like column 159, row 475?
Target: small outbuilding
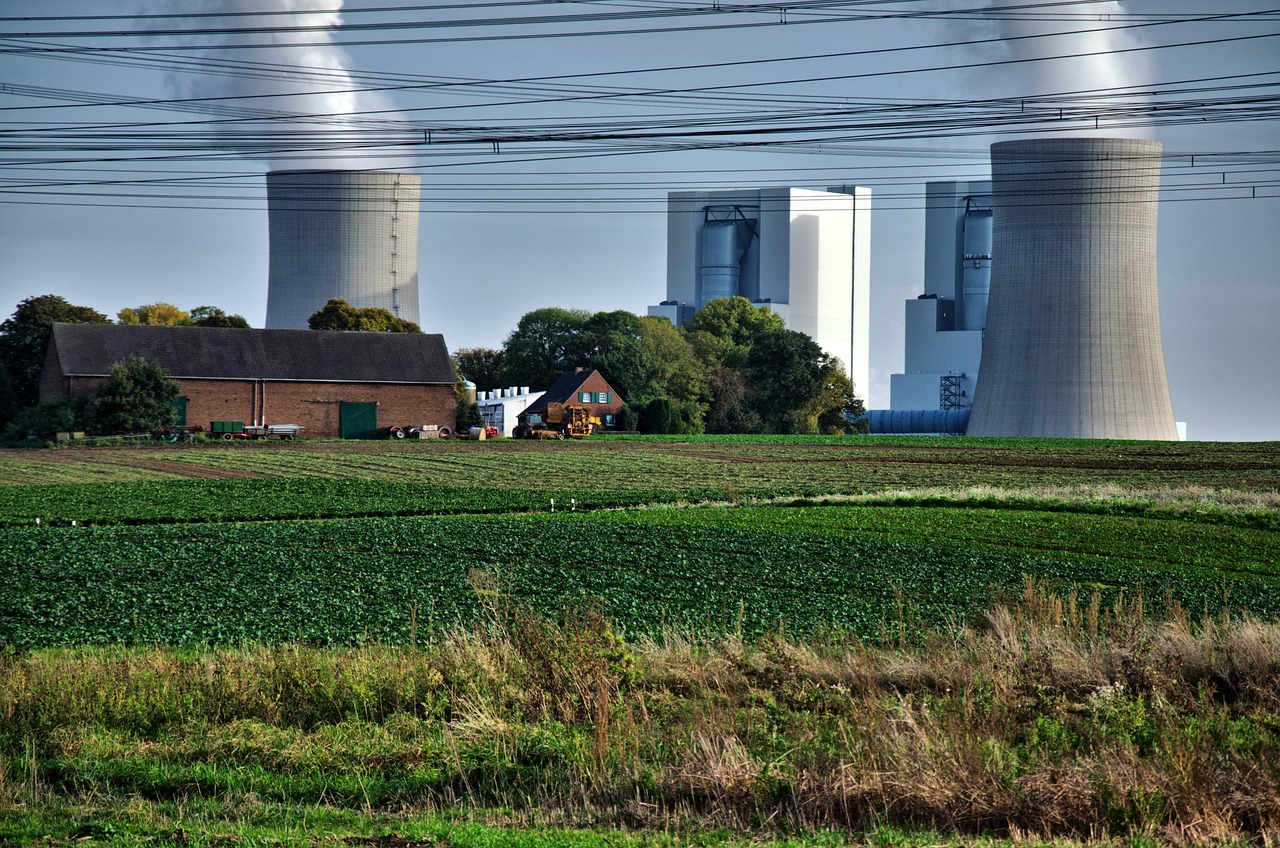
column 332, row 384
column 581, row 388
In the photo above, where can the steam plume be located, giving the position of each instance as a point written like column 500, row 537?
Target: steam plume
column 313, row 114
column 1095, row 40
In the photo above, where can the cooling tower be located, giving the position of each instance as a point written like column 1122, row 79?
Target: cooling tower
column 347, row 234
column 1072, row 345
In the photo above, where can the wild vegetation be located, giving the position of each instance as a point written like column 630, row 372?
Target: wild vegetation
column 1048, row 718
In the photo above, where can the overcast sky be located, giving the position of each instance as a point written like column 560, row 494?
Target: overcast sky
column 132, row 176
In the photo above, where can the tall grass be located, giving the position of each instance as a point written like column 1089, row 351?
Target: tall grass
column 1058, row 717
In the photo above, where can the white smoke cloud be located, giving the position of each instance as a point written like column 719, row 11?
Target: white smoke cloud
column 1098, row 37
column 335, row 121
column 1099, row 72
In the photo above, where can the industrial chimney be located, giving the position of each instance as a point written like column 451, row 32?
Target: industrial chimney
column 347, row 234
column 1072, row 345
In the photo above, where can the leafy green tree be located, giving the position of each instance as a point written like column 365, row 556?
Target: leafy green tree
column 785, row 370
column 135, row 398
column 337, row 314
column 723, row 331
column 24, row 340
column 674, row 372
column 836, row 407
column 155, row 315
column 730, row 409
column 483, row 366
column 212, row 316
column 546, row 343
column 50, row 416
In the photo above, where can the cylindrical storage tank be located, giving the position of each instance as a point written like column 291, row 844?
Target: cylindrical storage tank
column 469, row 391
column 346, row 234
column 1072, row 345
column 721, row 255
column 976, row 276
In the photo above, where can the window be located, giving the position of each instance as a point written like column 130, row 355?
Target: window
column 593, row 397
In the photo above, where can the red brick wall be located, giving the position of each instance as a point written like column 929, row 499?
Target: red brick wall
column 596, row 383
column 314, row 406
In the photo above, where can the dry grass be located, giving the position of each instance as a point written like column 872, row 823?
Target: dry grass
column 1059, row 718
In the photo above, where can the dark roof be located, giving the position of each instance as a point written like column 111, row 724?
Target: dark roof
column 563, row 390
column 89, row 350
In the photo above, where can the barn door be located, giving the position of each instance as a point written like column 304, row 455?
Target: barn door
column 179, row 406
column 358, row 420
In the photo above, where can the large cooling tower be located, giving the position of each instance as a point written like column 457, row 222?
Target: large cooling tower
column 347, row 234
column 1072, row 345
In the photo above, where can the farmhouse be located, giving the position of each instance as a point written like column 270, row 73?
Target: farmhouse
column 331, row 383
column 584, row 388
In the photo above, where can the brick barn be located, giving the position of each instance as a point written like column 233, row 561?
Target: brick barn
column 333, row 384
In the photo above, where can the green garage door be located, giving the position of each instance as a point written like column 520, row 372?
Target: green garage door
column 179, row 406
column 358, row 420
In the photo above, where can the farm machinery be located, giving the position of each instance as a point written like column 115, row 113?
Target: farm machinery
column 558, row 422
column 432, row 431
column 232, row 430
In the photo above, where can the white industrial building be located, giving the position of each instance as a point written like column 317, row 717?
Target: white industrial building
column 944, row 326
column 500, row 407
column 805, row 254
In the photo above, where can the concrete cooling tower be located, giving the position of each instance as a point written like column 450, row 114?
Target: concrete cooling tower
column 347, row 234
column 1072, row 345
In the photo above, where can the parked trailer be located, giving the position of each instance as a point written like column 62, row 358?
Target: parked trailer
column 239, row 430
column 286, row 432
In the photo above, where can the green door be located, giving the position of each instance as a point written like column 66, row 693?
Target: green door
column 358, row 420
column 179, row 405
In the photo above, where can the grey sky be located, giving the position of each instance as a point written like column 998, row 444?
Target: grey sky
column 582, row 224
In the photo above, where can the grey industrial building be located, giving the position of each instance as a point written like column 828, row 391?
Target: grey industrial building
column 345, row 234
column 1072, row 344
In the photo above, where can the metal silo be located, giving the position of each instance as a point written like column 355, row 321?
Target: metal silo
column 726, row 236
column 347, row 234
column 976, row 275
column 1072, row 345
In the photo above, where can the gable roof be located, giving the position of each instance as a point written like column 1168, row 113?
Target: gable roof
column 89, row 350
column 563, row 390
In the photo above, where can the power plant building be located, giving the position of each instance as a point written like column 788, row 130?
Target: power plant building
column 345, row 234
column 943, row 349
column 1073, row 344
column 805, row 254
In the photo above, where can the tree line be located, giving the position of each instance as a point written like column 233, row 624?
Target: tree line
column 735, row 369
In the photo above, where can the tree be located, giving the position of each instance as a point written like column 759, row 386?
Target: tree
column 730, row 409
column 835, row 408
column 24, row 339
column 155, row 315
column 785, row 369
column 212, row 316
column 337, row 314
column 674, row 372
column 50, row 416
column 135, row 398
column 723, row 331
column 483, row 366
column 545, row 343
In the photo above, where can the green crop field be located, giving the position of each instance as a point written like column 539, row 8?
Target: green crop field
column 341, row 543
